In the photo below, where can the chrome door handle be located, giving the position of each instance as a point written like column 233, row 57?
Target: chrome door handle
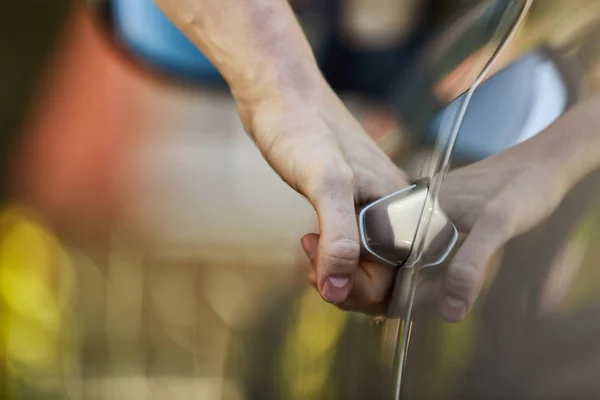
column 389, row 228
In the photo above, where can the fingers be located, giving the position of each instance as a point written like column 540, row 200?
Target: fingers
column 462, row 282
column 338, row 247
column 371, row 286
column 465, row 276
column 371, row 290
column 310, row 244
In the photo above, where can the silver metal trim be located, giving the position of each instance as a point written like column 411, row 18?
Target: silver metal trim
column 361, row 224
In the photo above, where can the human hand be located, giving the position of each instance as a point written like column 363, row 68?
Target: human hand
column 301, row 127
column 491, row 202
column 317, row 147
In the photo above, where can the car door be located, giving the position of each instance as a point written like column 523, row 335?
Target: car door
column 532, row 332
column 200, row 292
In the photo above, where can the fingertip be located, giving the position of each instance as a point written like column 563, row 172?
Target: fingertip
column 453, row 309
column 462, row 283
column 337, row 266
column 312, row 277
column 336, row 288
column 310, row 243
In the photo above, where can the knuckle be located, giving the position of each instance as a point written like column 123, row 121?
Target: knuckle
column 343, row 251
column 376, row 297
column 380, row 290
column 333, row 176
column 463, row 277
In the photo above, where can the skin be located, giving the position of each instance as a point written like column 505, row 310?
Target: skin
column 315, row 145
column 493, row 201
column 299, row 124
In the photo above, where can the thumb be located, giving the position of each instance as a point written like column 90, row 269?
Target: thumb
column 339, row 249
column 465, row 276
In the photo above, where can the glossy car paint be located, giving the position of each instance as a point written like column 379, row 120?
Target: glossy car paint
column 200, row 292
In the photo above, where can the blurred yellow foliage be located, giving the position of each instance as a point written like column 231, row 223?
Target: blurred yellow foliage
column 37, row 284
column 310, row 347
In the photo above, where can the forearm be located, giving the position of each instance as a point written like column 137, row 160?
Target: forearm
column 573, row 143
column 257, row 45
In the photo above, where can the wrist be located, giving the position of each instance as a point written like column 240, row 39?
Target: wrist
column 279, row 90
column 257, row 46
column 573, row 143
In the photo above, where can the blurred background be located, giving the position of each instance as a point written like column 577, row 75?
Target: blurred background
column 147, row 251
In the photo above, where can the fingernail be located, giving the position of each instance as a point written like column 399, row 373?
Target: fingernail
column 336, row 288
column 455, row 302
column 453, row 309
column 339, row 282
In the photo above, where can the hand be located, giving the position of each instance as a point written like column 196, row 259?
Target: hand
column 320, row 150
column 301, row 127
column 491, row 201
